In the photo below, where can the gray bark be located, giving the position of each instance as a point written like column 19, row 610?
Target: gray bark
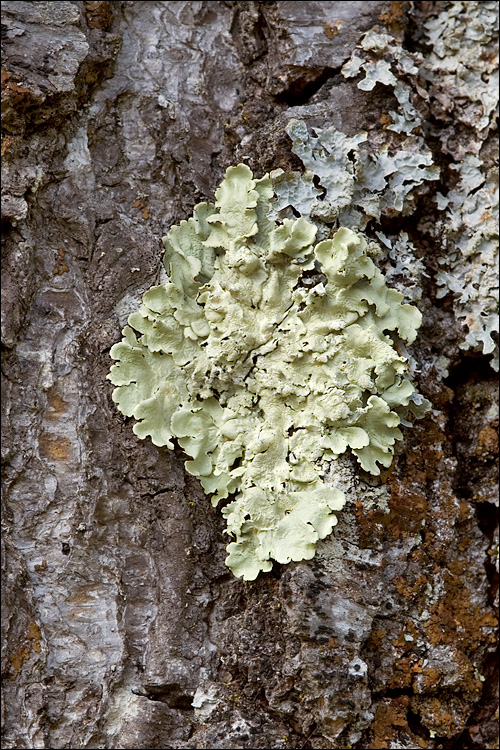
column 122, row 626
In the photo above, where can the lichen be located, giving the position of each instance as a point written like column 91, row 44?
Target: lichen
column 402, row 267
column 470, row 268
column 265, row 355
column 456, row 83
column 461, row 66
column 461, row 73
column 354, row 187
column 383, row 60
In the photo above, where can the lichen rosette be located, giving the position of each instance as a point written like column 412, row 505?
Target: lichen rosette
column 265, row 355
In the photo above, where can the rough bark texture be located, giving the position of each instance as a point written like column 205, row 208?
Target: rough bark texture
column 122, row 626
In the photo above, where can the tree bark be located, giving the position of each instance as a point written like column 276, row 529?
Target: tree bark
column 122, row 626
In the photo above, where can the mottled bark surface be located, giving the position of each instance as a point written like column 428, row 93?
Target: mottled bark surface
column 122, row 627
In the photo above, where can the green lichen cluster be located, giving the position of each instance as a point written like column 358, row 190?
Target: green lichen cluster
column 266, row 355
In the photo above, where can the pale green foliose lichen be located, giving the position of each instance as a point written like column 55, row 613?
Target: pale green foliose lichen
column 267, row 355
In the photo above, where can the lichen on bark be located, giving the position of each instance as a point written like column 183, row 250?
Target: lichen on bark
column 262, row 372
column 122, row 626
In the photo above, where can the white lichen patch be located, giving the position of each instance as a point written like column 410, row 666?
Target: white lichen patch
column 382, row 60
column 461, row 67
column 461, row 73
column 470, row 270
column 344, row 184
column 266, row 354
column 205, row 700
column 403, row 268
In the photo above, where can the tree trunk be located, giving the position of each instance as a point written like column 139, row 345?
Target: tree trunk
column 122, row 626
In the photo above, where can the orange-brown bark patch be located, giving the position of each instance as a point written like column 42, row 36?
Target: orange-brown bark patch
column 55, row 448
